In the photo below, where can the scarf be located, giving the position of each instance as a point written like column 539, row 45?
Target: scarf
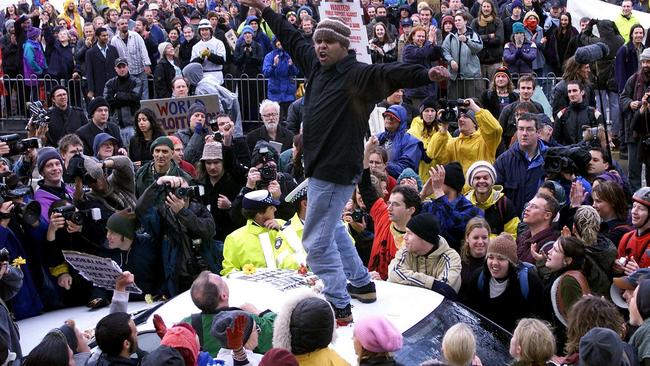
column 531, row 25
column 639, row 86
column 485, row 20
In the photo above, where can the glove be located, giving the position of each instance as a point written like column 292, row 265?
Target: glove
column 593, row 22
column 205, row 53
column 235, row 334
column 159, row 324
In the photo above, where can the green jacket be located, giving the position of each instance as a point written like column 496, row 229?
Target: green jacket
column 211, row 345
column 145, row 176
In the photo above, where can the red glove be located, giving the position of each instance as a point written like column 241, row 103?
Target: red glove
column 159, row 324
column 235, row 334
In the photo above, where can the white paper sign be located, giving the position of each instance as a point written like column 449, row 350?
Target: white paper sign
column 102, row 272
column 352, row 16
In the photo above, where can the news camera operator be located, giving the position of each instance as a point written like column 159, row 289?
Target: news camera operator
column 16, row 219
column 264, row 174
column 183, row 227
column 28, row 150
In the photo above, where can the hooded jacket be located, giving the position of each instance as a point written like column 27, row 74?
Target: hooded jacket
column 536, row 38
column 405, row 150
column 281, row 86
column 636, row 245
column 305, row 328
column 499, row 211
column 464, row 53
column 438, row 271
column 34, row 63
column 73, row 19
column 99, row 140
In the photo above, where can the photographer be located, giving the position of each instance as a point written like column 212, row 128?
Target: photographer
column 51, row 188
column 226, row 127
column 641, row 135
column 264, row 175
column 11, row 280
column 571, row 120
column 360, row 225
column 162, row 164
column 184, row 228
column 193, row 138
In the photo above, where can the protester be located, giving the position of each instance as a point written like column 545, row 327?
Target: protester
column 532, row 343
column 472, row 253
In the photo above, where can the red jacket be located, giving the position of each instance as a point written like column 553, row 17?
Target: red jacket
column 637, row 246
column 383, row 246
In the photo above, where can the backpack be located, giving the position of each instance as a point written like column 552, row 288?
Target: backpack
column 522, row 274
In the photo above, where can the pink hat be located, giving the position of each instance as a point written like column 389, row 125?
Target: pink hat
column 377, row 334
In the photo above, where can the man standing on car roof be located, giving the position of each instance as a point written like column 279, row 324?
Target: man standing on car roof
column 338, row 101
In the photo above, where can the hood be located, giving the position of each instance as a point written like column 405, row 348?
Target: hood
column 100, row 139
column 310, row 329
column 443, row 246
column 250, row 18
column 163, row 356
column 410, row 173
column 494, row 197
column 65, row 6
column 610, row 35
column 399, row 112
column 193, row 72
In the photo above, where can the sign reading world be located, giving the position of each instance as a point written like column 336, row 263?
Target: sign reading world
column 171, row 113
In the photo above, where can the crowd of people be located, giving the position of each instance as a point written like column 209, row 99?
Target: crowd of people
column 500, row 198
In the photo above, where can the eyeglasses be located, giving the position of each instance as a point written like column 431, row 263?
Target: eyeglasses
column 527, row 129
column 268, row 115
column 533, row 206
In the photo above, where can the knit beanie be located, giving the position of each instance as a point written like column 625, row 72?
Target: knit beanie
column 503, row 70
column 120, row 223
column 226, row 319
column 425, row 225
column 454, row 177
column 377, row 334
column 70, row 336
column 307, row 9
column 643, row 298
column 447, row 19
column 46, row 154
column 96, row 103
column 333, row 29
column 10, row 23
column 481, row 166
column 54, row 90
column 531, row 13
column 196, row 108
column 33, row 32
column 645, row 55
column 410, row 173
column 517, row 4
column 162, row 140
column 601, row 346
column 161, row 48
column 247, row 29
column 517, row 27
column 184, row 341
column 317, row 314
column 469, row 114
column 429, row 102
column 278, row 357
column 505, row 246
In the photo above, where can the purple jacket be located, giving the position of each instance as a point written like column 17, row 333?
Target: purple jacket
column 520, row 60
column 45, row 199
column 34, row 63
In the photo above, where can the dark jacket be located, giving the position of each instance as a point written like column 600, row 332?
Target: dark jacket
column 105, row 360
column 509, row 123
column 492, row 51
column 249, row 58
column 520, row 60
column 64, row 122
column 556, row 48
column 627, row 64
column 294, row 115
column 60, row 59
column 625, row 99
column 569, row 122
column 338, row 103
column 284, row 136
column 604, row 68
column 100, row 69
column 185, row 51
column 12, row 60
column 163, row 77
column 560, row 98
column 88, row 132
column 490, row 101
column 519, row 177
column 425, row 56
column 123, row 95
column 139, row 150
column 10, row 284
column 526, row 240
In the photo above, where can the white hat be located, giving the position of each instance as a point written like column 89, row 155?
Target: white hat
column 299, row 192
column 481, row 166
column 205, row 24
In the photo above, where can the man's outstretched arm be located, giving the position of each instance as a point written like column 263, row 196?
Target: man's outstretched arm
column 300, row 49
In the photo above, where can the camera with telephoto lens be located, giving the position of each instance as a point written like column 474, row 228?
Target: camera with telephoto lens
column 20, row 147
column 39, row 115
column 268, row 171
column 357, row 215
column 4, row 255
column 28, row 213
column 70, row 213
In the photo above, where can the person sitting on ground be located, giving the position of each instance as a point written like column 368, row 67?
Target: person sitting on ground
column 532, row 343
column 499, row 211
column 305, row 326
column 422, row 243
column 238, row 334
column 472, row 253
column 375, row 338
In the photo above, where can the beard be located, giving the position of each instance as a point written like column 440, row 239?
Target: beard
column 271, row 125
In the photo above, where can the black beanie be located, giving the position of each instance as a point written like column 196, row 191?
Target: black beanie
column 55, row 88
column 425, row 225
column 70, row 337
column 454, row 176
column 311, row 325
column 96, row 103
column 429, row 102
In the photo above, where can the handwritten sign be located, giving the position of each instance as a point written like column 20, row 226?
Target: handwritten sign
column 171, row 113
column 102, row 272
column 352, row 16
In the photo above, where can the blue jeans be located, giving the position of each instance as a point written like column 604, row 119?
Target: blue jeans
column 610, row 100
column 330, row 252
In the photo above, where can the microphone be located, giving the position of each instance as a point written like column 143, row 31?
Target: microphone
column 591, row 53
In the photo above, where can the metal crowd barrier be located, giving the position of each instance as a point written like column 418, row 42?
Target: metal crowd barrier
column 16, row 92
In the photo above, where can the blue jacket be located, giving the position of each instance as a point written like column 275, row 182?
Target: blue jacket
column 406, row 150
column 452, row 217
column 281, row 87
column 627, row 64
column 425, row 56
column 520, row 60
column 519, row 177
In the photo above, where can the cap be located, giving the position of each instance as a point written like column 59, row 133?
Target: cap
column 121, row 61
column 299, row 192
column 258, row 199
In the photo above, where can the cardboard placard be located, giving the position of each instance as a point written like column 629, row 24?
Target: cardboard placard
column 352, row 15
column 102, row 272
column 171, row 113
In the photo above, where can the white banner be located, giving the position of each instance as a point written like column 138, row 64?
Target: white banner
column 597, row 9
column 352, row 15
column 102, row 272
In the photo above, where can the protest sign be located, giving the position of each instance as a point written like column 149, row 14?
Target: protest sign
column 102, row 272
column 171, row 113
column 352, row 16
column 598, row 9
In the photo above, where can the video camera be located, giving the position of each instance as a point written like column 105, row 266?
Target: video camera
column 39, row 115
column 451, row 110
column 567, row 159
column 18, row 146
column 77, row 169
column 70, row 213
column 190, row 192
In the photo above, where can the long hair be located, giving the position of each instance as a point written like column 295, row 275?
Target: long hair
column 52, row 351
column 298, row 171
column 419, row 28
column 632, row 32
column 572, row 71
column 493, row 13
column 613, row 194
column 387, row 38
column 558, row 30
column 474, row 223
column 493, row 85
column 156, row 129
column 591, row 312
